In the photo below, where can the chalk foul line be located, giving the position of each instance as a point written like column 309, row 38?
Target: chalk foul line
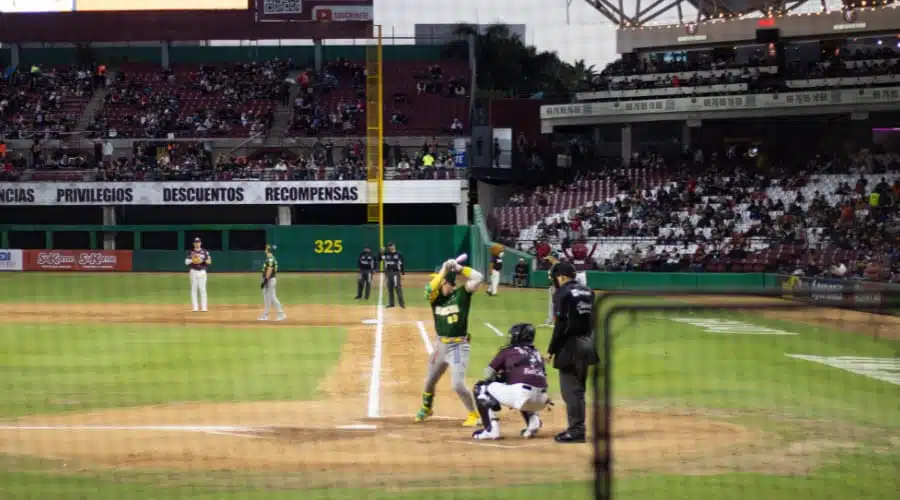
column 425, row 340
column 374, row 406
column 494, row 329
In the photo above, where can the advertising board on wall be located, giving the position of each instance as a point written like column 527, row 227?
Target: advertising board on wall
column 224, row 193
column 843, row 292
column 77, row 260
column 10, row 260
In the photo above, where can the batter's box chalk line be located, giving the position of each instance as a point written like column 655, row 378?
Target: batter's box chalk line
column 493, row 444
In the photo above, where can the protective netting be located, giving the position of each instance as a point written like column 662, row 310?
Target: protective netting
column 746, row 396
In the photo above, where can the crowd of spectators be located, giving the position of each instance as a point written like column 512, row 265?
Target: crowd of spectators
column 157, row 161
column 333, row 101
column 43, row 102
column 809, row 221
column 703, row 70
column 213, row 101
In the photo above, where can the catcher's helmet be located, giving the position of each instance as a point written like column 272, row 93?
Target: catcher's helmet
column 521, row 334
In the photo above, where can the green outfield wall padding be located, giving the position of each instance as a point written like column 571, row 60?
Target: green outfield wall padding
column 335, row 248
column 481, row 251
column 231, row 261
column 661, row 281
column 326, row 248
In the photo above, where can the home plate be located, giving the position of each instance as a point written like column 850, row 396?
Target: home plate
column 358, row 427
column 370, row 321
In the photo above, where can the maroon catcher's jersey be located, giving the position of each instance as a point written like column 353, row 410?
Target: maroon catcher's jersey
column 521, row 364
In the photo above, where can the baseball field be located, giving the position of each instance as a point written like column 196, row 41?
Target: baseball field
column 111, row 388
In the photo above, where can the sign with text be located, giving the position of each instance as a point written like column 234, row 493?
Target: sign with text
column 224, row 193
column 10, row 260
column 844, row 292
column 812, row 98
column 77, row 260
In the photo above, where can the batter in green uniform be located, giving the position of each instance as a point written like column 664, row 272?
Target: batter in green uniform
column 450, row 305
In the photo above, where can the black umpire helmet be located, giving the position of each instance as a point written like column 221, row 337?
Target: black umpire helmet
column 521, row 334
column 565, row 269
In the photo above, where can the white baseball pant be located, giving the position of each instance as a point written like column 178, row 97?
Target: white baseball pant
column 198, row 289
column 494, row 285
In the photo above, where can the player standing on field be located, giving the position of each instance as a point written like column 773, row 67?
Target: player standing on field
column 496, row 267
column 515, row 378
column 366, row 263
column 393, row 270
column 450, row 306
column 269, row 284
column 198, row 260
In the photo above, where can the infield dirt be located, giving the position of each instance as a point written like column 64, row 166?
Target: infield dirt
column 331, row 442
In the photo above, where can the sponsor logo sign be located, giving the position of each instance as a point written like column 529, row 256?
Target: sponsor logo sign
column 224, row 193
column 344, row 13
column 77, row 260
column 10, row 260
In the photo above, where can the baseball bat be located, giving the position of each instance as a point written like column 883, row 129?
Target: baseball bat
column 461, row 258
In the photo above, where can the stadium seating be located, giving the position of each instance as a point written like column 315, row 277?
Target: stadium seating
column 418, row 99
column 45, row 101
column 234, row 100
column 740, row 223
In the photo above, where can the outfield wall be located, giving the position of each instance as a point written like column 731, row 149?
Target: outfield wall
column 235, row 248
column 668, row 281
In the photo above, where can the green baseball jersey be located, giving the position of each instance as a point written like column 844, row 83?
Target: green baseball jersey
column 270, row 262
column 451, row 313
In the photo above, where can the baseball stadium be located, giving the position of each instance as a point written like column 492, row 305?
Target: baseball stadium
column 274, row 249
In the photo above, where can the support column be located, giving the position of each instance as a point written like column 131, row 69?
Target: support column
column 284, row 215
column 686, row 144
column 109, row 219
column 14, row 55
column 626, row 144
column 462, row 214
column 318, row 56
column 164, row 54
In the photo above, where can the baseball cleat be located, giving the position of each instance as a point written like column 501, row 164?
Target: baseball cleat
column 281, row 317
column 263, row 318
column 423, row 414
column 486, row 435
column 566, row 437
column 534, row 425
column 472, row 420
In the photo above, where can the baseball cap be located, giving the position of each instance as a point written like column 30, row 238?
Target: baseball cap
column 565, row 269
column 197, row 239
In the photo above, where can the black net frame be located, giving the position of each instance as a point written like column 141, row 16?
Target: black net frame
column 601, row 376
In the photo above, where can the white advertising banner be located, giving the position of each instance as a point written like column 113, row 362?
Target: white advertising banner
column 10, row 260
column 225, row 193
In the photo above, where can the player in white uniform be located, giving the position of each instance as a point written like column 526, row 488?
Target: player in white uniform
column 496, row 267
column 198, row 260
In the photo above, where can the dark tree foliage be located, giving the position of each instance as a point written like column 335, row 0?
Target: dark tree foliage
column 510, row 68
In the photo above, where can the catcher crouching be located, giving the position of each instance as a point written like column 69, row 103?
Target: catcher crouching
column 515, row 378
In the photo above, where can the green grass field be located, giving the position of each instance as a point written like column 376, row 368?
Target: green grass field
column 838, row 432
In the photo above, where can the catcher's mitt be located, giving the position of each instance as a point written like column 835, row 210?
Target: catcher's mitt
column 496, row 249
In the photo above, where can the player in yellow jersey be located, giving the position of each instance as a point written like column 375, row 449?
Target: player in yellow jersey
column 450, row 305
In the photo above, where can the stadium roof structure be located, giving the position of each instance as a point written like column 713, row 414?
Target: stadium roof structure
column 635, row 13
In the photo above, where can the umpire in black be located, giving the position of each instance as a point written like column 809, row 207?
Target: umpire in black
column 572, row 348
column 393, row 270
column 366, row 263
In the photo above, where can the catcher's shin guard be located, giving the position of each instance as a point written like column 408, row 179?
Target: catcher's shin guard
column 486, row 404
